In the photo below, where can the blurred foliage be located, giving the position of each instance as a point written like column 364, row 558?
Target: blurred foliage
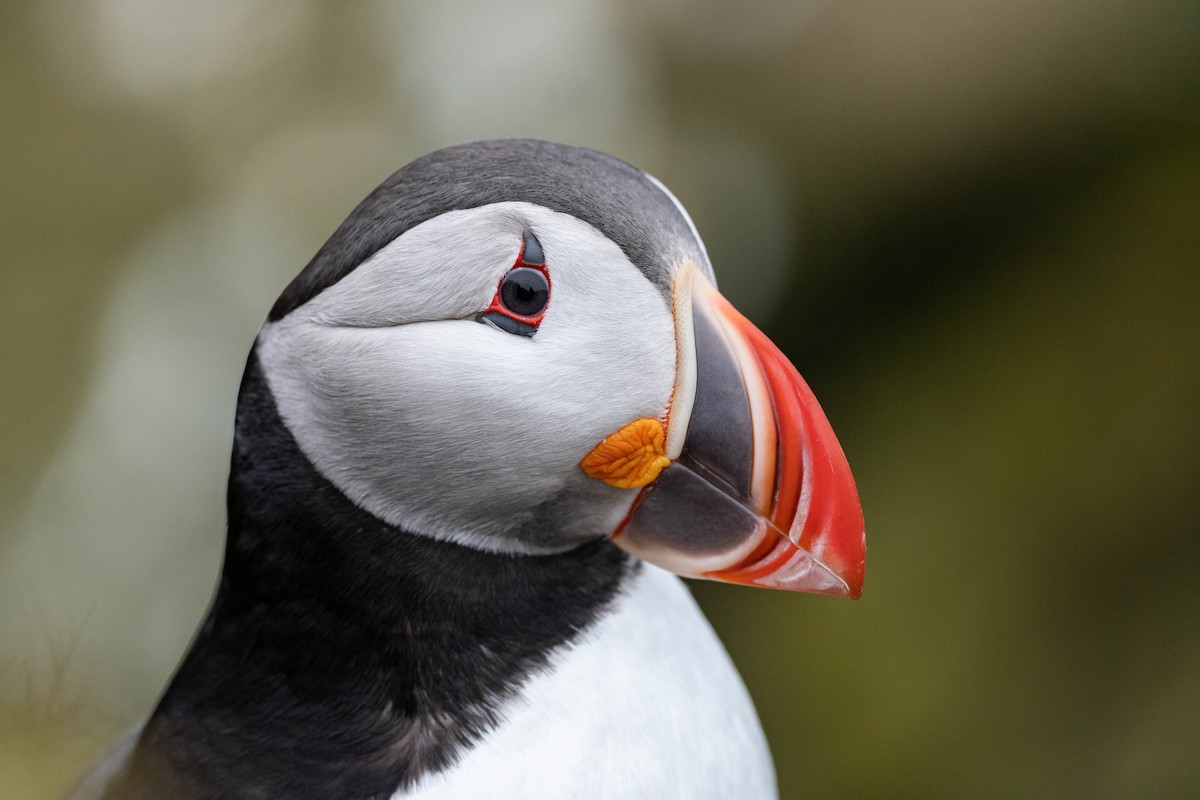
column 973, row 226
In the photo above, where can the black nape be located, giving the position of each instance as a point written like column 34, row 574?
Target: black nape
column 620, row 201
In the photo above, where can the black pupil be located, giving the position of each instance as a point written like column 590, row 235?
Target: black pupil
column 525, row 292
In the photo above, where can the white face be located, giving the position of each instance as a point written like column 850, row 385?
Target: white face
column 454, row 429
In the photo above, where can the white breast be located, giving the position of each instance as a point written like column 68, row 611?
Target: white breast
column 645, row 705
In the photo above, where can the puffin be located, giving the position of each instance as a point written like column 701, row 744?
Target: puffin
column 476, row 441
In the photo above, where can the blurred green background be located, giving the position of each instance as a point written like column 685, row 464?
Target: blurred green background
column 975, row 227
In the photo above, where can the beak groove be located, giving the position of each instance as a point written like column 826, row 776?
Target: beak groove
column 816, row 516
column 756, row 489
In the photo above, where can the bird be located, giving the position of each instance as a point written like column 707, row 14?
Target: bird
column 478, row 438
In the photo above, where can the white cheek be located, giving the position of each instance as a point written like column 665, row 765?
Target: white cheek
column 458, row 430
column 444, row 268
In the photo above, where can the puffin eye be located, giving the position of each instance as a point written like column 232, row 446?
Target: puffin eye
column 523, row 294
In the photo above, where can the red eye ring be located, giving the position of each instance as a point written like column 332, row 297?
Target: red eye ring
column 523, row 293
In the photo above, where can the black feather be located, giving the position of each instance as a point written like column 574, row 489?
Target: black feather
column 343, row 657
column 618, row 200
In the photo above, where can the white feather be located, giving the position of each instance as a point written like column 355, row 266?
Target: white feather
column 457, row 430
column 645, row 705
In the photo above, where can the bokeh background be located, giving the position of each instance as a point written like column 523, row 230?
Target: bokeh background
column 975, row 227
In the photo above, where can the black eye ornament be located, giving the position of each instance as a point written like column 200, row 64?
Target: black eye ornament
column 523, row 294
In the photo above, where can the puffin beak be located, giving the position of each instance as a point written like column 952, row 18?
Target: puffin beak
column 745, row 482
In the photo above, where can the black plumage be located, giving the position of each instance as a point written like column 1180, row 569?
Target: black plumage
column 343, row 657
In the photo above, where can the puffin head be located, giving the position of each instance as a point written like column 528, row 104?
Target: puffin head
column 519, row 347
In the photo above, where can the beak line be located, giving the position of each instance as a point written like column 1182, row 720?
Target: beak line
column 744, row 480
column 683, row 395
column 815, row 508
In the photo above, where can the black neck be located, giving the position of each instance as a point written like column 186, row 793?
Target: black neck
column 343, row 657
